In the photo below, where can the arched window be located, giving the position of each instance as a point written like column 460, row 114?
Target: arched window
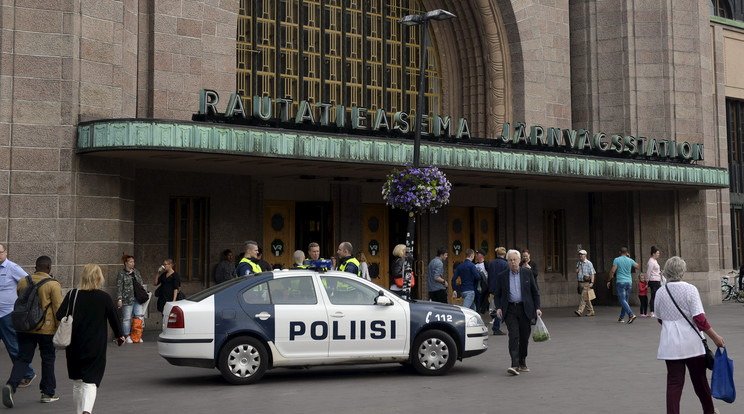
column 339, row 52
column 720, row 8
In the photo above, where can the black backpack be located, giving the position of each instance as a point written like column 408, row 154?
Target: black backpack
column 27, row 313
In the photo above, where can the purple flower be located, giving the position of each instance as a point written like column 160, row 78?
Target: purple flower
column 416, row 189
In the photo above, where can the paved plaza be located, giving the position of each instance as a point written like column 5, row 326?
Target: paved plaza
column 591, row 365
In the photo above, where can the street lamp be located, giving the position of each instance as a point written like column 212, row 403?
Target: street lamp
column 423, row 21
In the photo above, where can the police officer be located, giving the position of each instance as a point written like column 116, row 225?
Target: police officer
column 347, row 262
column 313, row 253
column 249, row 263
column 299, row 259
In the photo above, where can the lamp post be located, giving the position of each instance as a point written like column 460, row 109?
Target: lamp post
column 423, row 21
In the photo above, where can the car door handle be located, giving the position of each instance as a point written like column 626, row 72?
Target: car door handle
column 338, row 315
column 263, row 315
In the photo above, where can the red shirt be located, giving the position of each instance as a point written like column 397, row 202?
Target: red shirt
column 642, row 288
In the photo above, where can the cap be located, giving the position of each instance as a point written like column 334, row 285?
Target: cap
column 481, row 251
column 582, row 251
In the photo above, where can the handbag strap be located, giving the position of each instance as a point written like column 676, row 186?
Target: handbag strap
column 685, row 316
column 74, row 302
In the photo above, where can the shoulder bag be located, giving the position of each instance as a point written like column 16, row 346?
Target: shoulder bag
column 140, row 294
column 63, row 336
column 709, row 358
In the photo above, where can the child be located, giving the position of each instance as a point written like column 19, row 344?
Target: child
column 642, row 294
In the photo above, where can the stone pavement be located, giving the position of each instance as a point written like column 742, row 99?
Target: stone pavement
column 591, row 365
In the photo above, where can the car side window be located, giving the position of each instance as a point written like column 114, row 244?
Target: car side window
column 342, row 291
column 293, row 291
column 257, row 295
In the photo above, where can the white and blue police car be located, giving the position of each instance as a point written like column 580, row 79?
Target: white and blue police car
column 302, row 318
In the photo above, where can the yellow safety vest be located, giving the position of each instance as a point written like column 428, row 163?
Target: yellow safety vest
column 254, row 267
column 342, row 267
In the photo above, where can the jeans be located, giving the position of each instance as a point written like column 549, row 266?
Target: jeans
column 653, row 286
column 468, row 299
column 127, row 311
column 27, row 343
column 623, row 292
column 8, row 335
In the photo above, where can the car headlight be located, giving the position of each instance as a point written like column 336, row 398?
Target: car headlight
column 475, row 321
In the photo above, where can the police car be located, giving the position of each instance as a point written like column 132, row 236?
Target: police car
column 302, row 318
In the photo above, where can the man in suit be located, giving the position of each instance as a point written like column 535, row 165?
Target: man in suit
column 518, row 303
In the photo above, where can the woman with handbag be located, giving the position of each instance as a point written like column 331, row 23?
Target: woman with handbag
column 168, row 283
column 91, row 309
column 681, row 344
column 126, row 300
column 399, row 265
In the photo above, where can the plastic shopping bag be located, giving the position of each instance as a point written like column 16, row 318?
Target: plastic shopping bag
column 722, row 380
column 541, row 333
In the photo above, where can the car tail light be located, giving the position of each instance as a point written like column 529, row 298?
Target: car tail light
column 175, row 318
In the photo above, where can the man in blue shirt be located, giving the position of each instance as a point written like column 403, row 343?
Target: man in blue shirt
column 622, row 266
column 10, row 274
column 469, row 276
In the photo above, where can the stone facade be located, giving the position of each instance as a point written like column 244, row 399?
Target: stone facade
column 654, row 69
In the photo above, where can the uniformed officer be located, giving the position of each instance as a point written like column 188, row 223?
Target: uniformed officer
column 249, row 263
column 299, row 260
column 313, row 253
column 347, row 262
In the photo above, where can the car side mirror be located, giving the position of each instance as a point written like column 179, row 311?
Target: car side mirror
column 383, row 300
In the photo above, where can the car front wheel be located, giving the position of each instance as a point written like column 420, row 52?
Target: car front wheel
column 243, row 360
column 433, row 353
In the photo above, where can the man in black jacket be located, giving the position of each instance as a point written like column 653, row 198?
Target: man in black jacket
column 518, row 303
column 496, row 267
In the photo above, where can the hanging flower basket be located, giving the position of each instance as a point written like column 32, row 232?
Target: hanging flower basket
column 417, row 190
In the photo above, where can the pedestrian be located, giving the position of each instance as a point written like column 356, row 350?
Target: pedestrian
column 528, row 263
column 680, row 344
column 518, row 301
column 347, row 262
column 169, row 283
column 495, row 268
column 585, row 274
column 622, row 266
column 263, row 264
column 125, row 296
column 469, row 278
column 10, row 274
column 481, row 289
column 50, row 298
column 91, row 309
column 653, row 276
column 643, row 295
column 363, row 267
column 435, row 277
column 225, row 268
column 398, row 269
column 249, row 265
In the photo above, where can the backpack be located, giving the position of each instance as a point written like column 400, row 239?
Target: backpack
column 27, row 313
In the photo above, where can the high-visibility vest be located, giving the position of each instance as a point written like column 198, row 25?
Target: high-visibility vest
column 255, row 268
column 342, row 267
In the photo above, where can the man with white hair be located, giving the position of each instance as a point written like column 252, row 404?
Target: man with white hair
column 518, row 304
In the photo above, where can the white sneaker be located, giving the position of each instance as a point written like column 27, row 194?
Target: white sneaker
column 142, row 340
column 129, row 340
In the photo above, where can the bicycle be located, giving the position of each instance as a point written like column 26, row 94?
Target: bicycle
column 729, row 290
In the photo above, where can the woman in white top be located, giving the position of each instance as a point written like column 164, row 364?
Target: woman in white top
column 679, row 344
column 363, row 267
column 653, row 276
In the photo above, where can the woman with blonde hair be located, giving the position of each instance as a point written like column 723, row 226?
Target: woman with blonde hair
column 91, row 308
column 399, row 265
column 363, row 266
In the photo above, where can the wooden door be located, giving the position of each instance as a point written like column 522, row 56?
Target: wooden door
column 279, row 230
column 375, row 242
column 458, row 238
column 484, row 231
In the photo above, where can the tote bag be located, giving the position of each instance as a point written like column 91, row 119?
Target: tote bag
column 63, row 336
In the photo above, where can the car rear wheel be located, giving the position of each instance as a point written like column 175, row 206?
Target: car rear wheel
column 243, row 360
column 433, row 353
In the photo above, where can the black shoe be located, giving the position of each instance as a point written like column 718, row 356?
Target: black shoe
column 631, row 318
column 8, row 396
column 499, row 333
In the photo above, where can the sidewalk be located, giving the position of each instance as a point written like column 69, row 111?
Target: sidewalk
column 591, row 365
